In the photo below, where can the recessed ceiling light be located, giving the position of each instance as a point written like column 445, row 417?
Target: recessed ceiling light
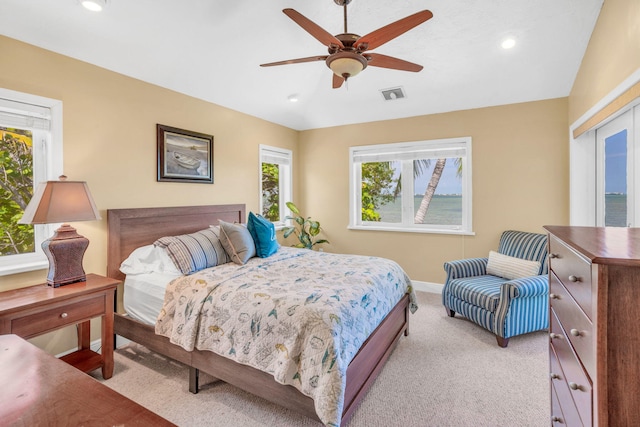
column 293, row 98
column 94, row 5
column 508, row 43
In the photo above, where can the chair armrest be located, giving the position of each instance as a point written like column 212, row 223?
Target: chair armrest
column 528, row 286
column 465, row 268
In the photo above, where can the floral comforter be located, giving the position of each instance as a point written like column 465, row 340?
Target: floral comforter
column 298, row 315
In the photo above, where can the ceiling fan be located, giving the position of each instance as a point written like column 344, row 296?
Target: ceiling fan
column 347, row 55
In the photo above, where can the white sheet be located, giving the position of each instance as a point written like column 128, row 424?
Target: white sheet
column 144, row 295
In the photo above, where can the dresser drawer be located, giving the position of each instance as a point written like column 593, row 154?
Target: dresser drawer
column 575, row 322
column 48, row 320
column 573, row 271
column 570, row 372
column 562, row 414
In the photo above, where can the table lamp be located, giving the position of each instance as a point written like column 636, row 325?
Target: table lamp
column 61, row 202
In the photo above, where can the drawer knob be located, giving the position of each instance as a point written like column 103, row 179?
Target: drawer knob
column 574, row 386
column 554, row 376
column 64, row 315
column 556, row 419
column 554, row 256
column 574, row 279
column 575, row 332
column 554, row 336
column 554, row 296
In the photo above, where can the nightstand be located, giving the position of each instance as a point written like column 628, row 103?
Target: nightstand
column 35, row 310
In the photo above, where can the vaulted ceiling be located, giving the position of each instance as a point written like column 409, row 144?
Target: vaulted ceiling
column 211, row 49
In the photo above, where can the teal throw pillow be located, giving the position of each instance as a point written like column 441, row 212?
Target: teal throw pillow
column 264, row 235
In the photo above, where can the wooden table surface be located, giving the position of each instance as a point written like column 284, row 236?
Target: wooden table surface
column 36, row 389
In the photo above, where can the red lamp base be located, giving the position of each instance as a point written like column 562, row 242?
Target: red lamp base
column 65, row 250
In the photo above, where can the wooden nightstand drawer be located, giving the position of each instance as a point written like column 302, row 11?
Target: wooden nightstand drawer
column 35, row 310
column 573, row 271
column 49, row 320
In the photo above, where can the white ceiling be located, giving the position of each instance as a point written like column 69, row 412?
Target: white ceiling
column 211, row 49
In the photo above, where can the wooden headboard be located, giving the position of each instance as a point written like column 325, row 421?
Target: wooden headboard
column 129, row 229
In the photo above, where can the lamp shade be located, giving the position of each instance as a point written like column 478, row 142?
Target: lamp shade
column 60, row 201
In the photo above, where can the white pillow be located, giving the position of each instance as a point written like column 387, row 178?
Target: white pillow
column 148, row 259
column 510, row 267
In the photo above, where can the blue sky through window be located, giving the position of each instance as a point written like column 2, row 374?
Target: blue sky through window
column 449, row 182
column 615, row 148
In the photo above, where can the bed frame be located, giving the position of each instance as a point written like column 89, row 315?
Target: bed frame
column 129, row 229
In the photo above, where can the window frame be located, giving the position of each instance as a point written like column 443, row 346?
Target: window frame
column 405, row 152
column 284, row 158
column 47, row 148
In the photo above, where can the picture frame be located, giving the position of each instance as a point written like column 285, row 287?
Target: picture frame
column 184, row 156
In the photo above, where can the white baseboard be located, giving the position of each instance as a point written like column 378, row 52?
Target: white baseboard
column 435, row 288
column 121, row 341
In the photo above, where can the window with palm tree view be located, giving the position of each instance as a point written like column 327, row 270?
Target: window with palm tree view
column 422, row 186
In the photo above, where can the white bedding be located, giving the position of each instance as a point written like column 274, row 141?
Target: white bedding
column 144, row 295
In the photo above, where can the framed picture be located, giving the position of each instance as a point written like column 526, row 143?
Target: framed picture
column 184, row 156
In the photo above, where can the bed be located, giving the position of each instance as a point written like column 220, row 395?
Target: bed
column 129, row 229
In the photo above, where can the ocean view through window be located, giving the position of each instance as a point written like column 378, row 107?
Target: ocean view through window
column 420, row 186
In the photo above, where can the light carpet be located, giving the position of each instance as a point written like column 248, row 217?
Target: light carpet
column 447, row 372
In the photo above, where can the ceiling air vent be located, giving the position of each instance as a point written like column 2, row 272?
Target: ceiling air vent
column 393, row 93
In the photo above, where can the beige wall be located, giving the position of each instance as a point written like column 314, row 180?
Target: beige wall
column 613, row 55
column 520, row 180
column 520, row 159
column 110, row 142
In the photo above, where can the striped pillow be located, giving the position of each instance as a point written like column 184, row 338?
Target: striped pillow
column 510, row 267
column 196, row 251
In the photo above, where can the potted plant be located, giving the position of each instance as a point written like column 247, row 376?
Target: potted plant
column 305, row 229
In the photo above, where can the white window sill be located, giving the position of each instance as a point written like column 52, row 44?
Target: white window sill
column 411, row 229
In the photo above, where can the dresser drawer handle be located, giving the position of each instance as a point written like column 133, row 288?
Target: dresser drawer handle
column 554, row 336
column 574, row 279
column 556, row 419
column 555, row 376
column 64, row 315
column 574, row 386
column 552, row 256
column 554, row 296
column 575, row 333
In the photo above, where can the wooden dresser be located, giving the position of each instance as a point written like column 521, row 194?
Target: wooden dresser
column 594, row 351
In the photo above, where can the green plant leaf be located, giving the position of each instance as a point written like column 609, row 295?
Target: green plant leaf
column 293, row 208
column 288, row 231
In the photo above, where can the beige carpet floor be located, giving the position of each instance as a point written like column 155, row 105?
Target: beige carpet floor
column 447, row 372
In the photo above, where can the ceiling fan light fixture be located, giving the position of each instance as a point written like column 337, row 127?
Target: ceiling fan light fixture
column 346, row 64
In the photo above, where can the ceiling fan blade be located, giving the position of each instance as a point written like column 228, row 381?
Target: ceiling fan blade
column 389, row 32
column 312, row 28
column 384, row 61
column 337, row 81
column 296, row 61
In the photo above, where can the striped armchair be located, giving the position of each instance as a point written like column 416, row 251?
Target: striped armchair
column 504, row 307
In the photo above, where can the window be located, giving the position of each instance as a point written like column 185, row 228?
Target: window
column 616, row 160
column 275, row 183
column 422, row 186
column 30, row 152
